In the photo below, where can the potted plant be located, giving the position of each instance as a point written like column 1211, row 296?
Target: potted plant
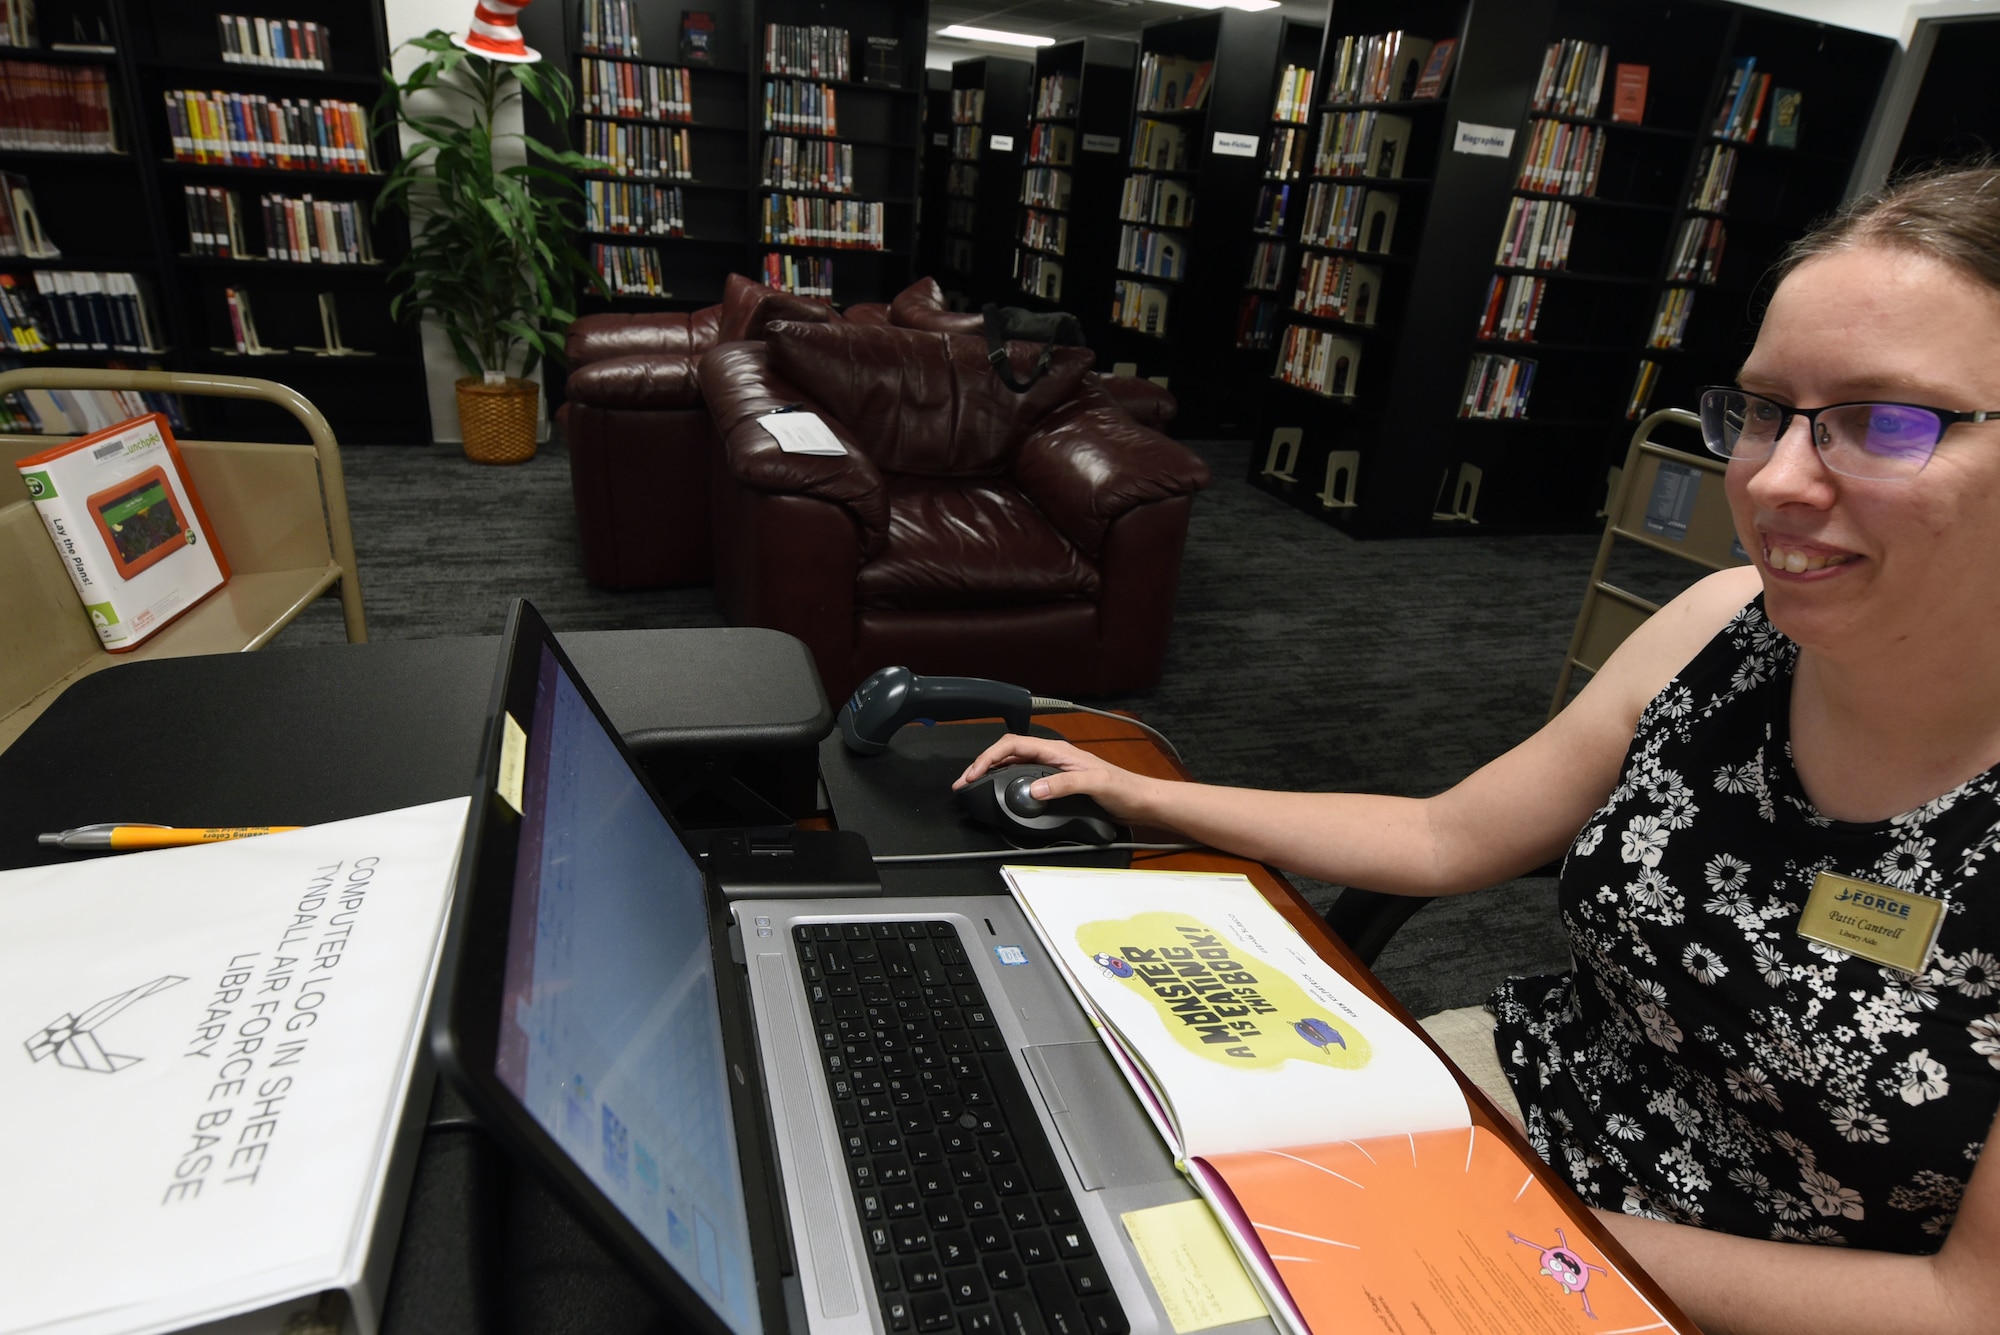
column 491, row 259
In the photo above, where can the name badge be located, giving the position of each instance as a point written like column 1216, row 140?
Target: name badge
column 1879, row 923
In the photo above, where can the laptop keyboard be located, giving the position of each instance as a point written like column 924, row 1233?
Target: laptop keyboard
column 962, row 1203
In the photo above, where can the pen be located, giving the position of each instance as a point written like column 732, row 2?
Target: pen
column 115, row 836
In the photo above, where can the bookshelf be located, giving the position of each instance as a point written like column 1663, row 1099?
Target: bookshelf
column 1079, row 115
column 932, row 165
column 1546, row 333
column 988, row 129
column 1193, row 163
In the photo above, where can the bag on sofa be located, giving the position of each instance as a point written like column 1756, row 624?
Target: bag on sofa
column 1056, row 329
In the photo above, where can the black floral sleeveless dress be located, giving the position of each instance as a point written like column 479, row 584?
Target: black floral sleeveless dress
column 1702, row 1062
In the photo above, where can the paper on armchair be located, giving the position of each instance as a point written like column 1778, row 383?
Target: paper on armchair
column 802, row 433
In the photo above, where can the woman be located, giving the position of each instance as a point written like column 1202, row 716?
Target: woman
column 1720, row 1084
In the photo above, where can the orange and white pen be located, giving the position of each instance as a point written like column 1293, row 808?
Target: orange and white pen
column 117, row 837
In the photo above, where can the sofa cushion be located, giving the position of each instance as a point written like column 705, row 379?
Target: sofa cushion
column 921, row 306
column 922, row 404
column 954, row 546
column 748, row 306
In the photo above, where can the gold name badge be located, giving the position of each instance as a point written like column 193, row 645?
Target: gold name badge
column 1879, row 923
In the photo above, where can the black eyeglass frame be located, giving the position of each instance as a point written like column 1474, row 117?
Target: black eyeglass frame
column 1946, row 419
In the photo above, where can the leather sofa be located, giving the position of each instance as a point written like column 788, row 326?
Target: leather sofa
column 1035, row 538
column 640, row 443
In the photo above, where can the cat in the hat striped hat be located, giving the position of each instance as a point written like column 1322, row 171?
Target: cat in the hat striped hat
column 495, row 34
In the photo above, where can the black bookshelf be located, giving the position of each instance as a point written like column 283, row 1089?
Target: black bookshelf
column 1080, row 113
column 988, row 129
column 1399, row 452
column 933, row 171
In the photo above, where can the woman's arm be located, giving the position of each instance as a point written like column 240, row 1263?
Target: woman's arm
column 1512, row 815
column 1736, row 1286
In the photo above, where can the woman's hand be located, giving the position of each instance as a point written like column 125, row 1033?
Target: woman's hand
column 1118, row 791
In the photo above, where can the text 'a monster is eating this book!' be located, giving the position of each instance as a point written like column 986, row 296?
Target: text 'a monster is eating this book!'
column 1335, row 1148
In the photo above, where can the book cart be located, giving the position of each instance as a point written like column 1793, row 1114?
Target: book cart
column 111, row 261
column 1541, row 250
column 1080, row 114
column 988, row 133
column 1201, row 103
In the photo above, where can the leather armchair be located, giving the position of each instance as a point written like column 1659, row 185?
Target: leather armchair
column 1032, row 537
column 640, row 443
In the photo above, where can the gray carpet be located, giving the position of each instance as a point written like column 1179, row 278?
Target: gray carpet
column 1301, row 658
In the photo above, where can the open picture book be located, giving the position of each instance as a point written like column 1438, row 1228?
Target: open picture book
column 1335, row 1147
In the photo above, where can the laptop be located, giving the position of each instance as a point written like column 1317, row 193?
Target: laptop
column 833, row 1116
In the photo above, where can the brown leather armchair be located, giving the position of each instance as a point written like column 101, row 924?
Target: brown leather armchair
column 640, row 443
column 1033, row 537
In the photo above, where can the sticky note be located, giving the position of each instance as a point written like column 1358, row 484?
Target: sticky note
column 1197, row 1276
column 513, row 762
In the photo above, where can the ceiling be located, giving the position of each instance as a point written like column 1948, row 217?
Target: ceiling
column 1062, row 19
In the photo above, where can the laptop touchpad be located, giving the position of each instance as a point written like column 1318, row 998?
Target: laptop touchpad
column 1110, row 1141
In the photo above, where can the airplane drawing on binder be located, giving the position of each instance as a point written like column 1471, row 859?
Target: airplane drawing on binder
column 72, row 1039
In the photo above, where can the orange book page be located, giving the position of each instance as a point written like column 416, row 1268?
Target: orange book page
column 1442, row 1231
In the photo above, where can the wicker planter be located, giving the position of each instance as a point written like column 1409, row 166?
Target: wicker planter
column 497, row 422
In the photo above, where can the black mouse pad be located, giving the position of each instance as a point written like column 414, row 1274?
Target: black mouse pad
column 902, row 802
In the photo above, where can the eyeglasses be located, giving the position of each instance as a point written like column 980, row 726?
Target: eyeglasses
column 1884, row 441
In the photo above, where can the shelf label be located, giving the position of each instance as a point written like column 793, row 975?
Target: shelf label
column 1000, row 143
column 1234, row 145
column 1489, row 141
column 1100, row 143
column 940, row 140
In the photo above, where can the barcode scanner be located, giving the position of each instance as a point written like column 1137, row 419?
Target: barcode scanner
column 895, row 696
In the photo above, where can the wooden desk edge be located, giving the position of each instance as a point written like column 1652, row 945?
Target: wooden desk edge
column 1133, row 749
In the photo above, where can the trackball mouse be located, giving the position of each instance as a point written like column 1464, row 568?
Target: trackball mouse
column 1000, row 800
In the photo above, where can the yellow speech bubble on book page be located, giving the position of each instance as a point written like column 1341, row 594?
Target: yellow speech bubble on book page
column 1200, row 1282
column 1217, row 1000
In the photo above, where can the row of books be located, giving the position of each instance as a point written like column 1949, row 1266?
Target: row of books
column 1158, row 145
column 1154, row 253
column 816, row 51
column 1051, row 143
column 961, row 180
column 1293, row 104
column 1045, row 187
column 1572, row 79
column 1055, row 95
column 800, row 106
column 968, row 106
column 1273, row 203
column 286, row 44
column 1045, row 231
column 56, row 108
column 251, row 130
column 1334, row 287
column 1361, row 143
column 629, row 271
column 965, row 142
column 1697, row 253
column 608, row 27
column 1641, row 398
column 1740, row 111
column 844, row 224
column 620, row 88
column 1513, row 308
column 806, row 275
column 1711, row 181
column 1350, row 217
column 1267, row 266
column 1497, row 386
column 1537, row 235
column 1322, row 362
column 1038, row 275
column 1285, row 160
column 959, row 215
column 1670, row 318
column 1156, row 199
column 1171, row 83
column 1387, row 67
column 640, row 150
column 1561, row 158
column 633, row 207
column 297, row 228
column 17, row 23
column 1256, row 322
column 78, row 312
column 808, row 164
column 1139, row 306
column 21, row 232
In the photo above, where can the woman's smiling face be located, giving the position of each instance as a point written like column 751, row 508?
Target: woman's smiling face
column 1852, row 564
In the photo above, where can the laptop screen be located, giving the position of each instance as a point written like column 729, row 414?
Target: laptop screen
column 610, row 1034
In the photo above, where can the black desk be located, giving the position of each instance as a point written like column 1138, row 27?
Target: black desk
column 298, row 737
